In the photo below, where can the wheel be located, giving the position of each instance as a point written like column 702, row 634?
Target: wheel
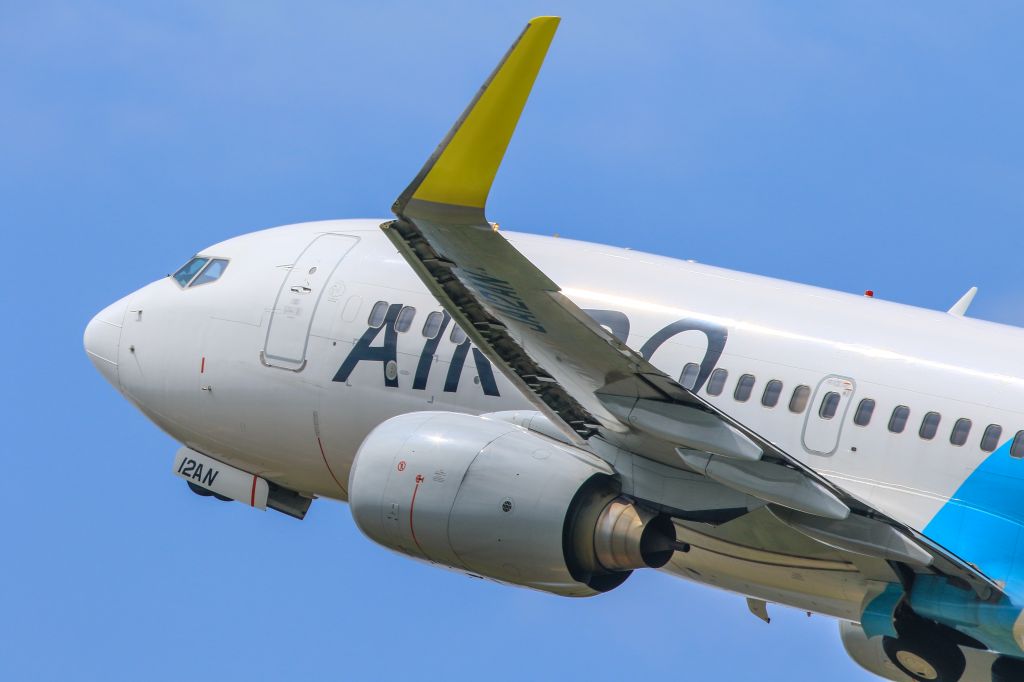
column 1007, row 669
column 926, row 655
column 199, row 490
column 206, row 493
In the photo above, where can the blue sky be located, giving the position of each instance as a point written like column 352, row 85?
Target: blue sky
column 852, row 145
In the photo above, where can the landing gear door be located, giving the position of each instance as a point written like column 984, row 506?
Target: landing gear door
column 827, row 414
column 297, row 300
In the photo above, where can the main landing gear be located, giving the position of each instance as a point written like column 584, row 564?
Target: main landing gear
column 927, row 653
column 1007, row 669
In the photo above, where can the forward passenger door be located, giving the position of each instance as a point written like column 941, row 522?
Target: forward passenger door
column 298, row 298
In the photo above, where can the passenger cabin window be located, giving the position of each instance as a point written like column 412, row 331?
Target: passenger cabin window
column 862, row 417
column 961, row 430
column 187, row 272
column 403, row 322
column 929, row 425
column 1017, row 446
column 717, row 381
column 457, row 336
column 798, row 401
column 743, row 388
column 772, row 391
column 211, row 273
column 377, row 314
column 432, row 325
column 829, row 405
column 898, row 420
column 688, row 377
column 990, row 439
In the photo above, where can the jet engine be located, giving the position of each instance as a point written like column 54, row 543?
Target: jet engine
column 495, row 500
column 975, row 665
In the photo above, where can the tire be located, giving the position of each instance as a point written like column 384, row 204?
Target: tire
column 206, row 493
column 926, row 656
column 199, row 490
column 1007, row 669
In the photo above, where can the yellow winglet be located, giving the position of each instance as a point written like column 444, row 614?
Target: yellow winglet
column 461, row 170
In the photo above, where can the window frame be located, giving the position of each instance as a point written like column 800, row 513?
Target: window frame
column 924, row 421
column 432, row 315
column 777, row 395
column 999, row 434
column 209, row 261
column 742, row 383
column 713, row 381
column 196, row 257
column 954, row 431
column 384, row 317
column 398, row 319
column 892, row 417
column 825, row 400
column 805, row 397
column 1017, row 445
column 870, row 406
column 682, row 375
column 457, row 331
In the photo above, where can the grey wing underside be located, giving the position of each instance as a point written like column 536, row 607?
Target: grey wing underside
column 592, row 385
column 586, row 381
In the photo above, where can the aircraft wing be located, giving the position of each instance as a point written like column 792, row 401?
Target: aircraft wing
column 580, row 375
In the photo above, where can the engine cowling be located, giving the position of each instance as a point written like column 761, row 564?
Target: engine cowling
column 867, row 653
column 493, row 499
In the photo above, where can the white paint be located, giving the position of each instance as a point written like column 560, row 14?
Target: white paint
column 260, row 419
column 297, row 301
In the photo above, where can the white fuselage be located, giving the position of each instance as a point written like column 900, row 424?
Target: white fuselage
column 196, row 362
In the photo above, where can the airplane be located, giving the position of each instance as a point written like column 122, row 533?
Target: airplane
column 555, row 414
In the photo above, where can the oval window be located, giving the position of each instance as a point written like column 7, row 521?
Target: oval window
column 688, row 377
column 862, row 417
column 798, row 401
column 403, row 322
column 829, row 405
column 717, row 381
column 432, row 325
column 990, row 439
column 929, row 425
column 898, row 420
column 743, row 388
column 377, row 314
column 961, row 430
column 1017, row 447
column 772, row 391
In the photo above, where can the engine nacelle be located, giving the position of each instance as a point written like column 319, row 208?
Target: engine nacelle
column 867, row 653
column 980, row 665
column 493, row 499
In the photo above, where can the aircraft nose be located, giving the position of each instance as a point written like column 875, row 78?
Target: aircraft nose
column 102, row 338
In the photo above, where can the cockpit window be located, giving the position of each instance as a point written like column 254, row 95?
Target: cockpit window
column 200, row 270
column 211, row 273
column 189, row 270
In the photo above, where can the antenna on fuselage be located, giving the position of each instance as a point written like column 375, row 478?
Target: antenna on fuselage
column 960, row 307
